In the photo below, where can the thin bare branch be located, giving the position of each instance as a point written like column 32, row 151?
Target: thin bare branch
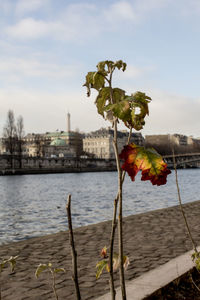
column 73, row 250
column 181, row 206
column 194, row 283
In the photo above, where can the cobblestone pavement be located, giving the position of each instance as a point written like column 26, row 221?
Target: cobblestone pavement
column 151, row 239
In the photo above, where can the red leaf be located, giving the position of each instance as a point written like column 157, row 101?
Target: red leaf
column 148, row 160
column 104, row 252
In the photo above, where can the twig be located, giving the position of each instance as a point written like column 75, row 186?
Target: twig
column 194, row 283
column 54, row 285
column 181, row 206
column 73, row 251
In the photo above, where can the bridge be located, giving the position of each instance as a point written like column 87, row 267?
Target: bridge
column 186, row 160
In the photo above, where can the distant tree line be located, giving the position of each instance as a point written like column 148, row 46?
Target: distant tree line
column 169, row 148
column 13, row 134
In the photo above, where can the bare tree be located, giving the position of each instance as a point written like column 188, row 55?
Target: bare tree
column 10, row 135
column 20, row 135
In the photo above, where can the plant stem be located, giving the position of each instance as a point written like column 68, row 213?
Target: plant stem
column 119, row 198
column 194, row 283
column 112, row 237
column 54, row 285
column 181, row 206
column 120, row 227
column 73, row 250
column 114, row 224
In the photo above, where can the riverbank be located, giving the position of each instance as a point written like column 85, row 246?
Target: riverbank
column 151, row 239
column 55, row 170
column 48, row 165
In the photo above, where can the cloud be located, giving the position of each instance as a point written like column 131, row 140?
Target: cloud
column 133, row 72
column 187, row 8
column 171, row 113
column 5, row 7
column 82, row 20
column 24, row 6
column 19, row 69
column 49, row 110
column 76, row 20
column 30, row 28
column 168, row 113
column 120, row 11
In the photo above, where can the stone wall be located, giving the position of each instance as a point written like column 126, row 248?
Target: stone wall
column 10, row 164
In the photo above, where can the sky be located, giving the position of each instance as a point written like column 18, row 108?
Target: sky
column 47, row 47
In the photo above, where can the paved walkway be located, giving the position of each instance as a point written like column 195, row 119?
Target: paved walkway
column 151, row 239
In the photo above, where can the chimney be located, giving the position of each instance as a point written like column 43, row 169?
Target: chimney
column 68, row 122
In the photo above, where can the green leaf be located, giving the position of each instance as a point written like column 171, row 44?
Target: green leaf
column 89, row 82
column 103, row 96
column 40, row 269
column 110, row 65
column 12, row 261
column 125, row 108
column 100, row 266
column 196, row 259
column 120, row 65
column 141, row 97
column 94, row 80
column 98, row 81
column 118, row 95
column 101, row 68
column 59, row 270
column 121, row 110
column 2, row 266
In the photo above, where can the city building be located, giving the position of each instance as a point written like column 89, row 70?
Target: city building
column 59, row 148
column 100, row 143
column 59, row 143
column 33, row 144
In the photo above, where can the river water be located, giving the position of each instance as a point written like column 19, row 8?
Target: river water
column 34, row 205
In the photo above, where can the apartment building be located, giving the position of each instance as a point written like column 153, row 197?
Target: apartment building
column 100, row 143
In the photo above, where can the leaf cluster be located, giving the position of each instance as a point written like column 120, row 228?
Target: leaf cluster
column 113, row 102
column 104, row 264
column 10, row 261
column 47, row 267
column 196, row 260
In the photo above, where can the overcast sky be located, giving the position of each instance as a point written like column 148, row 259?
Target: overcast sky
column 48, row 46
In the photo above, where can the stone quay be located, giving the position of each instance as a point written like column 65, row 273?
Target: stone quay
column 150, row 239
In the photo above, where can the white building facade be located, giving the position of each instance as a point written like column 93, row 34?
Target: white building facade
column 100, row 143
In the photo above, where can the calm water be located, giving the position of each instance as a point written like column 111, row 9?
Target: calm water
column 33, row 205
